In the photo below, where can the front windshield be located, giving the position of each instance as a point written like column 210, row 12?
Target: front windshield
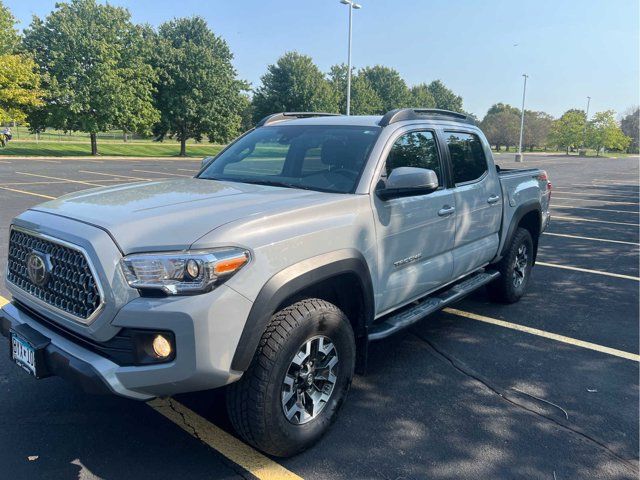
column 327, row 158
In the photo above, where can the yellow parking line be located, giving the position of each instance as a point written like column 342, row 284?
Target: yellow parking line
column 3, row 301
column 238, row 452
column 590, row 238
column 28, row 193
column 586, row 270
column 580, row 219
column 595, row 209
column 163, row 173
column 63, row 179
column 608, row 202
column 112, row 175
column 544, row 334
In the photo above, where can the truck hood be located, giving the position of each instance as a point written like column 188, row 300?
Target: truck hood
column 173, row 214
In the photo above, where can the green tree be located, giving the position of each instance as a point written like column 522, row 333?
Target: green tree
column 9, row 38
column 19, row 82
column 198, row 92
column 421, row 97
column 389, row 86
column 501, row 125
column 364, row 99
column 537, row 127
column 631, row 128
column 94, row 70
column 293, row 83
column 567, row 131
column 444, row 97
column 604, row 132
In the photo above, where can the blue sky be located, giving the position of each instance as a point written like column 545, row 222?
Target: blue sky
column 569, row 48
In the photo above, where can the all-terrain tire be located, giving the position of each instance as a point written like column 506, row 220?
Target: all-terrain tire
column 255, row 402
column 515, row 270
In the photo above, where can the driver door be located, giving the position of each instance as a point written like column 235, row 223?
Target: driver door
column 415, row 234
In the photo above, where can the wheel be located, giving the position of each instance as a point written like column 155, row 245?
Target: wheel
column 515, row 269
column 297, row 381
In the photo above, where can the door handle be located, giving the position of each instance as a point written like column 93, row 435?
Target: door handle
column 446, row 210
column 493, row 199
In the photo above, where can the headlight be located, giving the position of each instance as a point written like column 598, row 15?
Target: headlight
column 183, row 273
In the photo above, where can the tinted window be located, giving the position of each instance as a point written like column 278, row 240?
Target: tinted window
column 315, row 157
column 467, row 156
column 415, row 149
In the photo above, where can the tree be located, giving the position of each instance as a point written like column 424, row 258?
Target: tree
column 444, row 97
column 364, row 99
column 9, row 38
column 604, row 132
column 198, row 93
column 537, row 126
column 631, row 129
column 567, row 131
column 19, row 82
column 501, row 125
column 421, row 96
column 19, row 87
column 93, row 68
column 389, row 86
column 293, row 83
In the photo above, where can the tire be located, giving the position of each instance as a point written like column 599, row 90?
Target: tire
column 514, row 277
column 255, row 402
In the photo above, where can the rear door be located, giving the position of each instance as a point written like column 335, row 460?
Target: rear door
column 477, row 196
column 415, row 234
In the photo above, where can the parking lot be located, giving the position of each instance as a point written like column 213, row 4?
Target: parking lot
column 545, row 388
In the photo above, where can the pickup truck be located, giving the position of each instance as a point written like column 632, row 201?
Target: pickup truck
column 273, row 268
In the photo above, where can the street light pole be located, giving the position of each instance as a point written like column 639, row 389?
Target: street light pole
column 352, row 6
column 584, row 130
column 524, row 92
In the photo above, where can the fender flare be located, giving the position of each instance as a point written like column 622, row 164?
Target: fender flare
column 292, row 280
column 521, row 211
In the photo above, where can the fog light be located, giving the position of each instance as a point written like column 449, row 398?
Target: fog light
column 161, row 346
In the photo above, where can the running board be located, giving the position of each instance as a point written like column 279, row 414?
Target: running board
column 430, row 304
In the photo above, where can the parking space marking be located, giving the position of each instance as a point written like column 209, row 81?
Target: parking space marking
column 581, row 219
column 3, row 301
column 118, row 176
column 238, row 452
column 595, row 209
column 188, row 170
column 590, row 238
column 63, row 179
column 541, row 333
column 28, row 193
column 163, row 173
column 608, row 202
column 586, row 270
column 593, row 194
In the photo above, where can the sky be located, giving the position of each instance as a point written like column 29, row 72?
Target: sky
column 570, row 49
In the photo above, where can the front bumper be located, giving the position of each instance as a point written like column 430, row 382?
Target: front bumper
column 206, row 327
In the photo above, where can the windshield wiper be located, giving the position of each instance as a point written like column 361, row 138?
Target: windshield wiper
column 270, row 183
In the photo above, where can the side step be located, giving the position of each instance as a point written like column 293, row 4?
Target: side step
column 430, row 304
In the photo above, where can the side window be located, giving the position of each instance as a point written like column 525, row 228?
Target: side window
column 415, row 149
column 467, row 156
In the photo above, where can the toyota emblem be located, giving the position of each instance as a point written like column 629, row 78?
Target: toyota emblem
column 38, row 268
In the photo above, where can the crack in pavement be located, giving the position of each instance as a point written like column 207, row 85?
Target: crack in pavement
column 456, row 365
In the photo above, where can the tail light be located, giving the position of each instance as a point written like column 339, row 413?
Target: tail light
column 543, row 177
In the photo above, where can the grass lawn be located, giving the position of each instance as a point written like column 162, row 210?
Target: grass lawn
column 130, row 149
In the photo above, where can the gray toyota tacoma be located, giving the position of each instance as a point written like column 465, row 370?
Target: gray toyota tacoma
column 273, row 268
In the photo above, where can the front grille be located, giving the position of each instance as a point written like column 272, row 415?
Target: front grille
column 70, row 287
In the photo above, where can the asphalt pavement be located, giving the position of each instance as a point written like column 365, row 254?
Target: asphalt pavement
column 544, row 388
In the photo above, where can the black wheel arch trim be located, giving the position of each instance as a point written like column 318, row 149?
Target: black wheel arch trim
column 521, row 211
column 292, row 280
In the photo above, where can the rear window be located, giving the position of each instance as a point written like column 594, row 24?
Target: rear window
column 467, row 156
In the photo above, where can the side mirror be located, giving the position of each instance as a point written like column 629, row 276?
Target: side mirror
column 206, row 161
column 408, row 181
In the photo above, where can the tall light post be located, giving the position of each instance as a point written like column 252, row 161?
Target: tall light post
column 524, row 92
column 352, row 6
column 584, row 130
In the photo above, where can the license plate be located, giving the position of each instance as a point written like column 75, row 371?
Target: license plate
column 23, row 354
